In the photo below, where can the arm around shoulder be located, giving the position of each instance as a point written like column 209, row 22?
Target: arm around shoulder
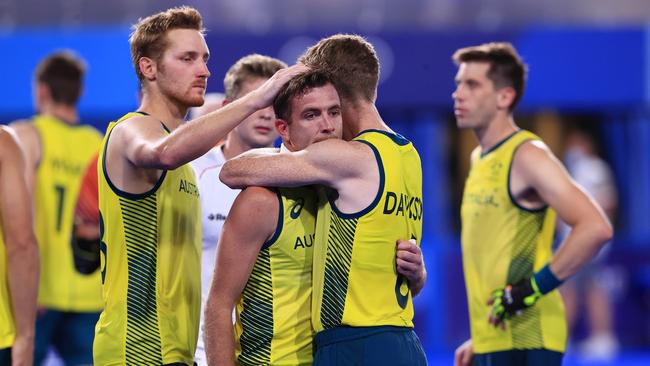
column 327, row 162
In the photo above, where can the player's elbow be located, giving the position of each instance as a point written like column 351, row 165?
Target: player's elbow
column 22, row 247
column 229, row 176
column 604, row 231
column 166, row 158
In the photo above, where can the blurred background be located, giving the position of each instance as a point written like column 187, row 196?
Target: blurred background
column 589, row 64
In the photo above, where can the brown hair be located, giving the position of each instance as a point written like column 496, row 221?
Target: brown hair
column 297, row 86
column 148, row 37
column 247, row 68
column 351, row 62
column 506, row 66
column 62, row 72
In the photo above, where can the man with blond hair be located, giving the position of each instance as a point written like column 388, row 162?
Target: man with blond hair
column 148, row 198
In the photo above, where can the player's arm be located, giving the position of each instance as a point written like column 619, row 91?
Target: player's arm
column 22, row 250
column 464, row 353
column 537, row 167
column 251, row 222
column 146, row 145
column 410, row 264
column 590, row 227
column 330, row 162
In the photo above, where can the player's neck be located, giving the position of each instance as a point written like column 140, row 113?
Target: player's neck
column 233, row 147
column 65, row 113
column 360, row 117
column 495, row 131
column 171, row 113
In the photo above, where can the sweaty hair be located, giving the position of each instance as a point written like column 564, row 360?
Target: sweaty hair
column 297, row 87
column 351, row 62
column 62, row 73
column 506, row 66
column 247, row 68
column 149, row 34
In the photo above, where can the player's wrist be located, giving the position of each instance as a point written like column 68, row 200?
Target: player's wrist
column 545, row 280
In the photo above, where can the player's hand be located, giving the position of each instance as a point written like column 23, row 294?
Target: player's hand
column 265, row 94
column 512, row 300
column 409, row 261
column 464, row 353
column 22, row 351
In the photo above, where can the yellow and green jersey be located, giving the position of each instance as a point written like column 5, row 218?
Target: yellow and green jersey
column 273, row 324
column 504, row 243
column 7, row 325
column 66, row 152
column 355, row 277
column 151, row 269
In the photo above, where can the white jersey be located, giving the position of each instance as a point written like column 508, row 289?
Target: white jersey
column 216, row 200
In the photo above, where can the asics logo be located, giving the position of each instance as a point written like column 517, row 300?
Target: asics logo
column 295, row 210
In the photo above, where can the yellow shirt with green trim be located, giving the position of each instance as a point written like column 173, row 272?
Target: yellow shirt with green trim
column 66, row 152
column 151, row 269
column 355, row 278
column 273, row 325
column 503, row 243
column 7, row 324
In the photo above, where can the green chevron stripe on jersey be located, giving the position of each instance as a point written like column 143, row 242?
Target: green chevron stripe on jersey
column 337, row 269
column 141, row 233
column 257, row 313
column 526, row 327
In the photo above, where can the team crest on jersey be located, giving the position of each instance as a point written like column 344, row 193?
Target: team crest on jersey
column 295, row 210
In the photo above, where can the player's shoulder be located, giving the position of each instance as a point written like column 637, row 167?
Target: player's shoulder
column 7, row 136
column 262, row 194
column 253, row 203
column 90, row 132
column 25, row 128
column 531, row 151
column 346, row 150
column 135, row 120
column 133, row 125
column 534, row 161
column 21, row 123
column 8, row 141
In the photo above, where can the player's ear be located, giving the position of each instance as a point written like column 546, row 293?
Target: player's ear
column 505, row 97
column 283, row 129
column 147, row 68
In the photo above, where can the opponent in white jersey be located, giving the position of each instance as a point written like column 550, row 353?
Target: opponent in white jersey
column 256, row 131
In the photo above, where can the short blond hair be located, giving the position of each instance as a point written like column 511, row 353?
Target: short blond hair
column 148, row 37
column 246, row 68
column 351, row 62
